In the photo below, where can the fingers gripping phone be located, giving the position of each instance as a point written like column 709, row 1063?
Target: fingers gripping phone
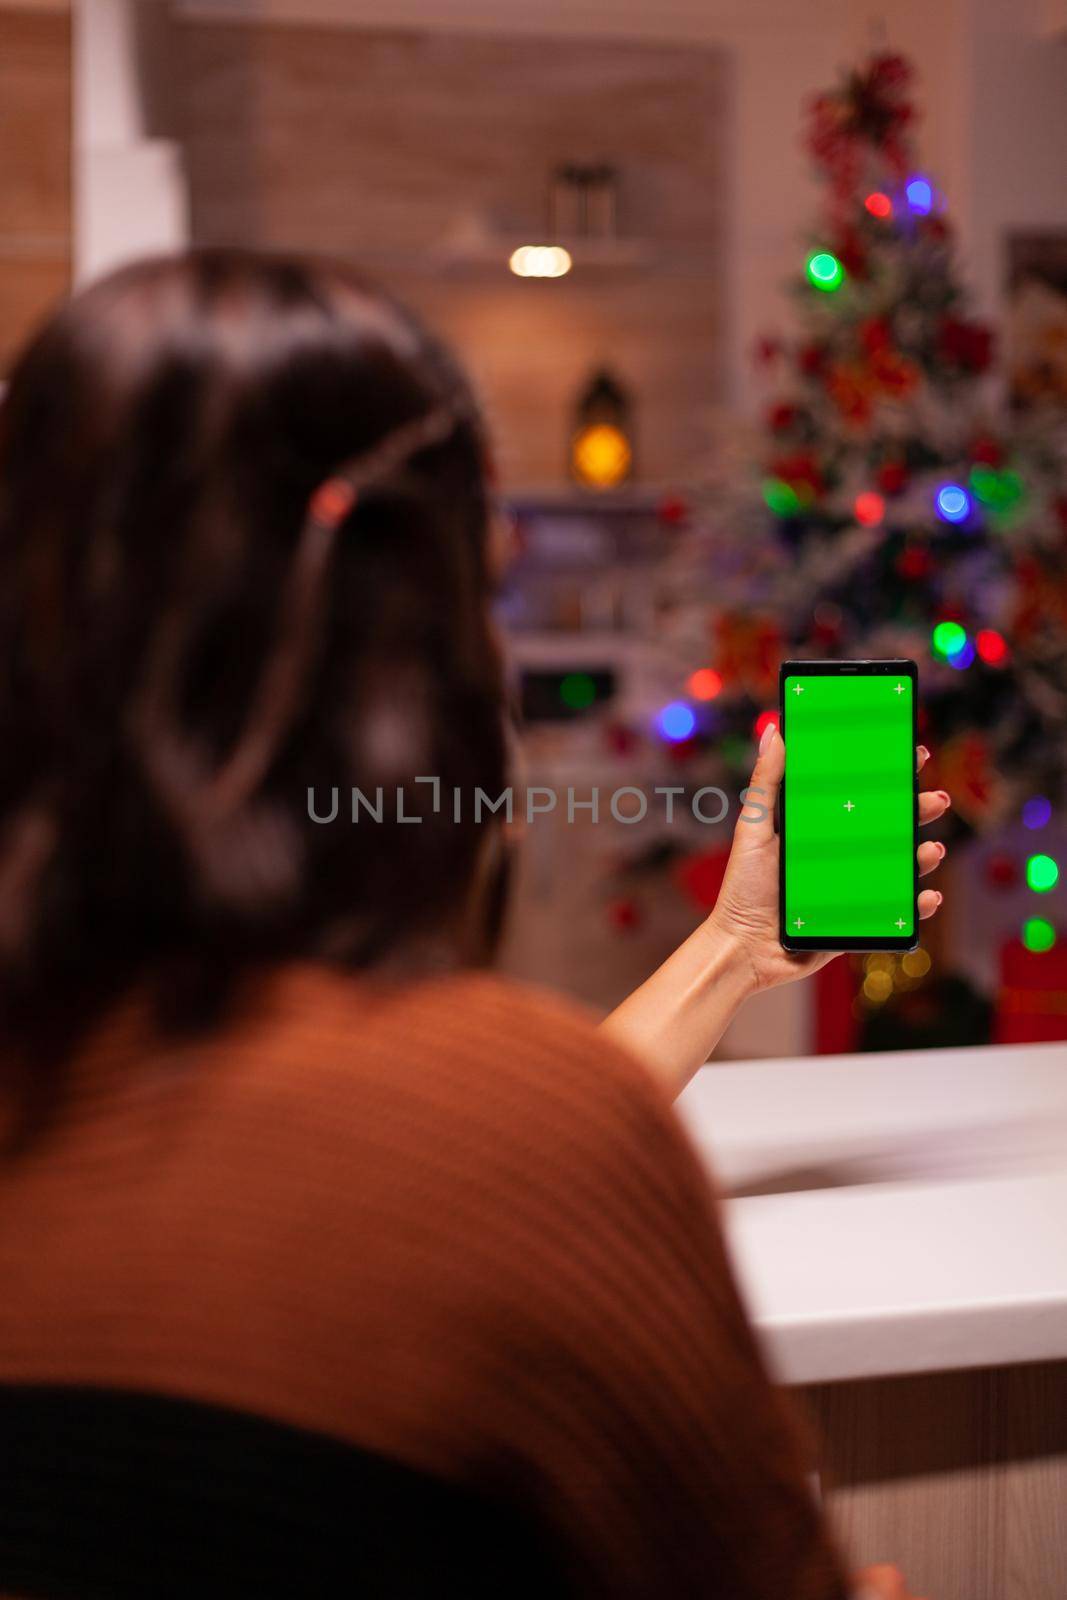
column 848, row 873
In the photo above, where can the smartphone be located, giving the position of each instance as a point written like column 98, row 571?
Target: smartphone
column 849, row 817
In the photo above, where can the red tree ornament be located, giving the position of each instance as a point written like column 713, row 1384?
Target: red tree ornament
column 673, row 510
column 893, row 373
column 987, row 452
column 851, row 391
column 802, row 472
column 936, row 229
column 766, row 351
column 967, row 345
column 915, row 563
column 1001, row 870
column 748, row 651
column 624, row 914
column 812, row 359
column 826, row 635
column 892, row 477
column 868, row 110
column 620, row 740
column 875, row 334
column 852, row 254
column 966, row 771
column 781, row 417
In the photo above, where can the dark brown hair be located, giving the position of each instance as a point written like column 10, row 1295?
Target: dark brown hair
column 192, row 639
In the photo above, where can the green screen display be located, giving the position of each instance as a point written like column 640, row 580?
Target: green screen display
column 849, row 817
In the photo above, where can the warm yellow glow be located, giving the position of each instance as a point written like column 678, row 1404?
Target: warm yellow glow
column 601, row 456
column 540, row 261
column 916, row 963
column 877, row 986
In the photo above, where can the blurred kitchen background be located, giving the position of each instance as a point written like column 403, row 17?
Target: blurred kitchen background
column 767, row 302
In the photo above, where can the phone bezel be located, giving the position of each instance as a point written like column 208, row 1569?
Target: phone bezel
column 840, row 669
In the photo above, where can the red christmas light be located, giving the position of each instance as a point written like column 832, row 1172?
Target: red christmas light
column 992, row 647
column 765, row 720
column 705, row 684
column 869, row 509
column 879, row 205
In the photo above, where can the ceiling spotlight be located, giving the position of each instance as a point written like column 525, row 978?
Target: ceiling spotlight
column 540, row 261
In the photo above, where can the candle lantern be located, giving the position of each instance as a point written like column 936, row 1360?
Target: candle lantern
column 601, row 446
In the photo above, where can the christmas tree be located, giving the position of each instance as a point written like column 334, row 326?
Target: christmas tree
column 892, row 505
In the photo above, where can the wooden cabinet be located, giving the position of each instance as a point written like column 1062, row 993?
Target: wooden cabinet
column 35, row 186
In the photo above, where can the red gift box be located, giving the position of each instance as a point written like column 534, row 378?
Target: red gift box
column 1032, row 1001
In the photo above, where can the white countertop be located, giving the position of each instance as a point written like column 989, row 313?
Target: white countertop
column 895, row 1213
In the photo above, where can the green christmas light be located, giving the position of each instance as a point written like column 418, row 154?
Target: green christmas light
column 984, row 483
column 1038, row 934
column 1000, row 491
column 824, row 271
column 1042, row 874
column 578, row 691
column 781, row 497
column 948, row 639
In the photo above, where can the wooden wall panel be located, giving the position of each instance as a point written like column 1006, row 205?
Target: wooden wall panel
column 35, row 197
column 958, row 1477
column 379, row 146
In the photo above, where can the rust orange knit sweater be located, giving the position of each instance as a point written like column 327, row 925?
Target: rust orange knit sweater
column 446, row 1222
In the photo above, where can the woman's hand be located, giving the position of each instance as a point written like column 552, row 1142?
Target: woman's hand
column 746, row 912
column 675, row 1019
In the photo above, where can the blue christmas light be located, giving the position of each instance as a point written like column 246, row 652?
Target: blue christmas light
column 676, row 721
column 960, row 659
column 953, row 503
column 1037, row 812
column 920, row 194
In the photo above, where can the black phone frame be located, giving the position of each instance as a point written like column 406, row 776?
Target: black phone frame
column 796, row 942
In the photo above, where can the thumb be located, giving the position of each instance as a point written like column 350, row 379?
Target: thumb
column 756, row 822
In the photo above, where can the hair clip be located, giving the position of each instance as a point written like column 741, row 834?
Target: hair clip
column 331, row 502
